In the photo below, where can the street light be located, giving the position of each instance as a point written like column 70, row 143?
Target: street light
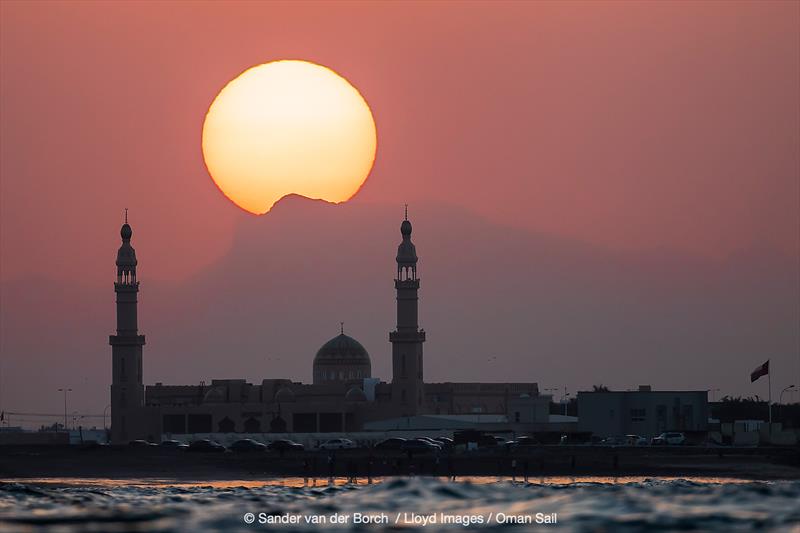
column 65, row 391
column 780, row 400
column 104, row 416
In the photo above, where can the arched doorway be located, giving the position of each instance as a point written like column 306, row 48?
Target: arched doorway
column 226, row 425
column 251, row 425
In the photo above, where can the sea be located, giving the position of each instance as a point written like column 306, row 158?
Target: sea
column 582, row 504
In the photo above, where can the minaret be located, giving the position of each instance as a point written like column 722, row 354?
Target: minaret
column 407, row 339
column 127, row 391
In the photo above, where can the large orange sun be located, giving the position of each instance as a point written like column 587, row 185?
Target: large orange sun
column 288, row 127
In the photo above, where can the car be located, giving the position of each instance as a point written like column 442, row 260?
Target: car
column 392, row 443
column 446, row 442
column 205, row 446
column 522, row 442
column 173, row 444
column 248, row 445
column 283, row 445
column 139, row 443
column 419, row 445
column 614, row 441
column 432, row 441
column 670, row 437
column 501, row 441
column 337, row 444
column 636, row 440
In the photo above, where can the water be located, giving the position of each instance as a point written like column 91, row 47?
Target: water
column 410, row 504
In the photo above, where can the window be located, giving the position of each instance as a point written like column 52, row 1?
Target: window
column 122, row 370
column 638, row 415
column 516, row 416
column 403, row 395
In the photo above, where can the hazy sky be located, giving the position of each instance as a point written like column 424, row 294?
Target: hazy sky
column 601, row 192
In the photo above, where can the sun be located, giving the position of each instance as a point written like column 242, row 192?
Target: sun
column 288, row 127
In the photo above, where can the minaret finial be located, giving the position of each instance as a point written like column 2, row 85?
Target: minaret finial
column 126, row 215
column 406, row 211
column 341, row 326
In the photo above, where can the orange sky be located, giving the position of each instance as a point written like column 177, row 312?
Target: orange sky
column 665, row 130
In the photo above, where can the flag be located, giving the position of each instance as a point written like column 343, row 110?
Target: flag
column 761, row 370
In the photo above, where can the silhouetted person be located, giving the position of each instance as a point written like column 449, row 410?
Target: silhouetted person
column 331, row 465
column 352, row 471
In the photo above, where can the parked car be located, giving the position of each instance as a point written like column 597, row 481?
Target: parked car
column 205, row 446
column 392, row 443
column 420, row 445
column 522, row 442
column 432, row 441
column 670, row 437
column 501, row 441
column 337, row 444
column 614, row 441
column 139, row 443
column 248, row 445
column 173, row 444
column 284, row 445
column 636, row 440
column 446, row 442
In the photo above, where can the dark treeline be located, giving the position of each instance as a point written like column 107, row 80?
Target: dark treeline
column 730, row 409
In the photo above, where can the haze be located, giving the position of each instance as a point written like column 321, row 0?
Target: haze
column 601, row 193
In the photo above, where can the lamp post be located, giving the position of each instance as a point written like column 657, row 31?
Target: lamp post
column 65, row 391
column 780, row 398
column 104, row 416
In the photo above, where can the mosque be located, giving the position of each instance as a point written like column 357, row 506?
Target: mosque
column 344, row 396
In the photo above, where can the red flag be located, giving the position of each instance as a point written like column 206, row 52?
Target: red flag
column 762, row 370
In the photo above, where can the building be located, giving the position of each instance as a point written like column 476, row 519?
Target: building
column 344, row 396
column 642, row 412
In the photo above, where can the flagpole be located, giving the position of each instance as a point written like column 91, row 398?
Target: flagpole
column 769, row 395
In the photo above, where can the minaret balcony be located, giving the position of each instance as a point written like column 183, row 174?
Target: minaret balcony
column 407, row 336
column 406, row 283
column 126, row 340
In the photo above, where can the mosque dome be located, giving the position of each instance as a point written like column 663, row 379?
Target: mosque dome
column 355, row 394
column 126, row 256
column 284, row 395
column 341, row 359
column 406, row 252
